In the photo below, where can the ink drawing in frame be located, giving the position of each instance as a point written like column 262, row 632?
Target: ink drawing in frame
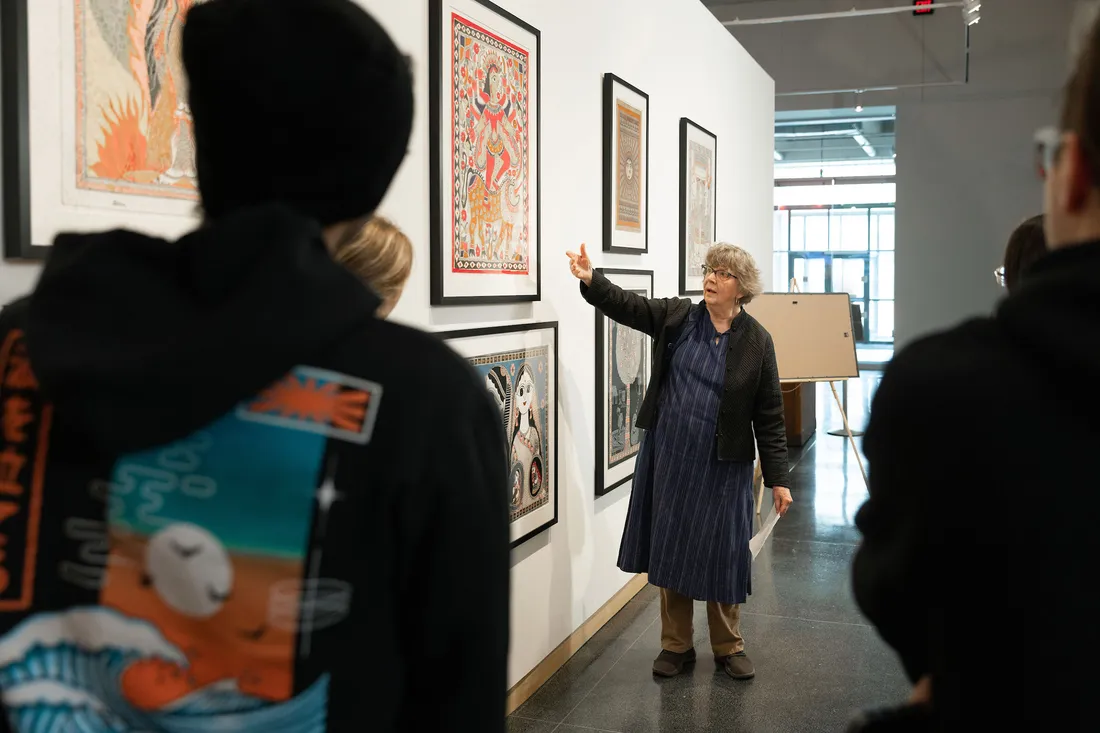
column 623, row 362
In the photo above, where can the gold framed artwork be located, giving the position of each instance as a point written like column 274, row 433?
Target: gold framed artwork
column 625, row 167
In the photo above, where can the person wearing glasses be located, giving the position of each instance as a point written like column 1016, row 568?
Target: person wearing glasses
column 979, row 556
column 715, row 383
column 1026, row 246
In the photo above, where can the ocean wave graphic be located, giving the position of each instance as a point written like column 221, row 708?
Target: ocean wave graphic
column 62, row 672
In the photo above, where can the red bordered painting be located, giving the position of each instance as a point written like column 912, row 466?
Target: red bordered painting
column 485, row 155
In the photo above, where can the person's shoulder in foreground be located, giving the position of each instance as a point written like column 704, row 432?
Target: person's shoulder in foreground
column 967, row 430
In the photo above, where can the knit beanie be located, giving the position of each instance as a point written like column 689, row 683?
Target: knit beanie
column 304, row 102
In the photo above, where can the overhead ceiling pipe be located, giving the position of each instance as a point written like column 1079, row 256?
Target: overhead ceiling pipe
column 856, row 13
column 849, row 148
column 811, row 135
column 834, row 121
column 853, row 13
column 897, row 87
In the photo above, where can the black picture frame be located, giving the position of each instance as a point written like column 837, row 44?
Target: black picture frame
column 687, row 126
column 15, row 162
column 606, row 478
column 537, row 526
column 610, row 81
column 438, row 247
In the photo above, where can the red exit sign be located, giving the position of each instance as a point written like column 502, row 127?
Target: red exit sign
column 921, row 7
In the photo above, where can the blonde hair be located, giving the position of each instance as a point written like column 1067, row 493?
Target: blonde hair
column 380, row 255
column 730, row 257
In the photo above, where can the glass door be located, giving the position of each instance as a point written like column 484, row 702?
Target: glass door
column 828, row 272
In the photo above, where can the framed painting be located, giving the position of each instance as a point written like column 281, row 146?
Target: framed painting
column 485, row 163
column 623, row 359
column 625, row 167
column 520, row 367
column 698, row 200
column 96, row 128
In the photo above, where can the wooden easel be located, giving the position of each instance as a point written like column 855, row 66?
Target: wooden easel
column 758, row 478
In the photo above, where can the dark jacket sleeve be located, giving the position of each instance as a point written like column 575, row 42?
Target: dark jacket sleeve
column 465, row 559
column 767, row 420
column 647, row 315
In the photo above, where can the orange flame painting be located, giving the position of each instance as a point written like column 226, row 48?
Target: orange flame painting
column 133, row 133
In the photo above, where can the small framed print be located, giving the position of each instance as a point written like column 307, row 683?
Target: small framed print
column 698, row 220
column 519, row 364
column 623, row 359
column 625, row 167
column 485, row 138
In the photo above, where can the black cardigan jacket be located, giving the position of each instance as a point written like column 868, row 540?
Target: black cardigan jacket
column 752, row 399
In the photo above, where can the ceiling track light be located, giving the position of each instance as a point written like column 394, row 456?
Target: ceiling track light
column 972, row 11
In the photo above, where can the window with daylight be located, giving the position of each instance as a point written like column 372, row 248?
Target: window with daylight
column 841, row 249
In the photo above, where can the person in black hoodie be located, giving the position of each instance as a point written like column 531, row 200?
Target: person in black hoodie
column 979, row 556
column 231, row 498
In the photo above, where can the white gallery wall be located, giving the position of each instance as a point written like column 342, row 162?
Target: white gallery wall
column 675, row 51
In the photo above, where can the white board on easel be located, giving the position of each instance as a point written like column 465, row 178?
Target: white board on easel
column 813, row 334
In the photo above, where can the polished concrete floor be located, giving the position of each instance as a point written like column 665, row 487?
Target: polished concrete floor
column 817, row 660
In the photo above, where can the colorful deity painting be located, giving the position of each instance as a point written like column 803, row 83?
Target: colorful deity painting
column 491, row 153
column 133, row 127
column 518, row 382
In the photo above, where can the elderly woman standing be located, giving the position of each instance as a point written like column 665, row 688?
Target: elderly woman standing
column 714, row 383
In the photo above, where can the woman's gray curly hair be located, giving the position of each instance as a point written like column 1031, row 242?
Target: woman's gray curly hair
column 737, row 260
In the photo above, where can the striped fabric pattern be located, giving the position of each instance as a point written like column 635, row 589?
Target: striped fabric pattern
column 690, row 515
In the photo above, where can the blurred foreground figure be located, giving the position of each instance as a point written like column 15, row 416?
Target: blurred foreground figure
column 1026, row 246
column 232, row 498
column 980, row 554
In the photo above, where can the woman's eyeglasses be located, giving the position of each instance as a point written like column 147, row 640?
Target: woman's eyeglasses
column 1048, row 146
column 999, row 276
column 723, row 275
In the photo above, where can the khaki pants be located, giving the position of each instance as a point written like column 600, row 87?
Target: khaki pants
column 678, row 630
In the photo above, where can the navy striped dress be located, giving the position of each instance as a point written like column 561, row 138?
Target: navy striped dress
column 690, row 515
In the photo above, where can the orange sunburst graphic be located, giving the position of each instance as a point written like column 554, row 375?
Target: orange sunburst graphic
column 308, row 399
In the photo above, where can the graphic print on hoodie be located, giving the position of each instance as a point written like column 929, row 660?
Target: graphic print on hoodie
column 201, row 615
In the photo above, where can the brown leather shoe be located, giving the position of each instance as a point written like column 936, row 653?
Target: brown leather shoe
column 737, row 666
column 670, row 664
